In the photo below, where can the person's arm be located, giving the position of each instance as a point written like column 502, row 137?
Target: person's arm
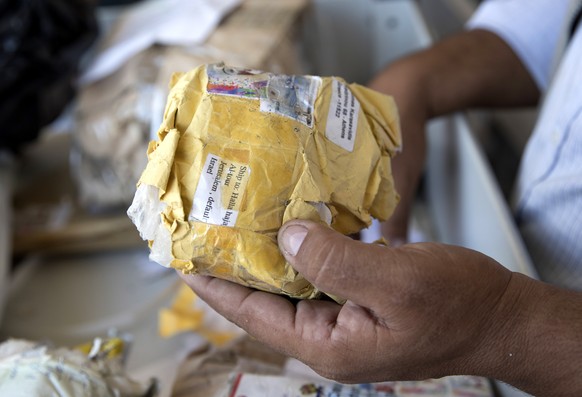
column 471, row 69
column 416, row 312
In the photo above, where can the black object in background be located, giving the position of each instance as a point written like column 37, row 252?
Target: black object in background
column 117, row 2
column 575, row 22
column 41, row 45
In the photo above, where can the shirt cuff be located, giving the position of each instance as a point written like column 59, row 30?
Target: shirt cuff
column 532, row 28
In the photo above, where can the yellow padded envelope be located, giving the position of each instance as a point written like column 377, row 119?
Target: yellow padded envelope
column 240, row 152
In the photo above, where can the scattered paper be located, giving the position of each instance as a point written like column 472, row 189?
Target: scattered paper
column 169, row 22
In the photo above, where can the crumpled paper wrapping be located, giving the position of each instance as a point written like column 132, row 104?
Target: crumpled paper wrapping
column 188, row 313
column 32, row 369
column 240, row 152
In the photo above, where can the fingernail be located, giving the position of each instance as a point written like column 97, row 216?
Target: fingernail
column 292, row 239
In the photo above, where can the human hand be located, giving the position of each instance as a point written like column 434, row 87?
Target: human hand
column 415, row 312
column 466, row 70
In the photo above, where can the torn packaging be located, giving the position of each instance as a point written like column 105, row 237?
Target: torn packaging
column 240, row 152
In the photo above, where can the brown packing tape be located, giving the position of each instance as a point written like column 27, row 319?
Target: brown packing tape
column 240, row 152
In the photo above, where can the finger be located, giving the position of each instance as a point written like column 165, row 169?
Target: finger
column 273, row 319
column 337, row 264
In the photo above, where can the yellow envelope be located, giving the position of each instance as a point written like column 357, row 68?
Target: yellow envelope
column 240, row 152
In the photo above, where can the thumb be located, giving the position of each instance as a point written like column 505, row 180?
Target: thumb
column 334, row 263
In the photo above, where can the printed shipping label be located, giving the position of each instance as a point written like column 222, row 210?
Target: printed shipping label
column 288, row 96
column 292, row 97
column 237, row 82
column 342, row 120
column 220, row 191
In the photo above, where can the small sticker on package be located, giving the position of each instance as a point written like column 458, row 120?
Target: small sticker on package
column 221, row 187
column 342, row 119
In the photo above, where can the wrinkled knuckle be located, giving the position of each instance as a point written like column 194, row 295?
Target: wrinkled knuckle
column 327, row 259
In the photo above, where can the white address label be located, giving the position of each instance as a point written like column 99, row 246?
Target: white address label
column 220, row 191
column 342, row 119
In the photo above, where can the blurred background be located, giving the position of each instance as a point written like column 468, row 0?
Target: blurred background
column 83, row 86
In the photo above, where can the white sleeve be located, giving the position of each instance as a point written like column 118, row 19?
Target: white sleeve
column 532, row 28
